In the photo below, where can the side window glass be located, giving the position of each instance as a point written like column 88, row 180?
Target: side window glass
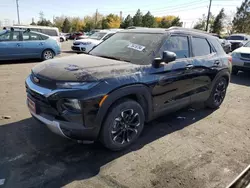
column 178, row 45
column 10, row 36
column 29, row 36
column 200, row 47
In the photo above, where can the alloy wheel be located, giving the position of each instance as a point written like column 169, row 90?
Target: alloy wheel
column 125, row 126
column 48, row 54
column 220, row 92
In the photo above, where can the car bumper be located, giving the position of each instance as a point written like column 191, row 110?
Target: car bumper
column 79, row 49
column 241, row 64
column 66, row 124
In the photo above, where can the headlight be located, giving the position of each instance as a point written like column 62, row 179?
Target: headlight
column 72, row 105
column 76, row 85
column 235, row 55
column 86, row 43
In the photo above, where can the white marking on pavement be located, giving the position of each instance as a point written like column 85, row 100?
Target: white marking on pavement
column 15, row 158
column 2, row 181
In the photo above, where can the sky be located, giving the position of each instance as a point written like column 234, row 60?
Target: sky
column 188, row 10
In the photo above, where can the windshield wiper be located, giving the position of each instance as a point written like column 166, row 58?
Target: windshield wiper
column 115, row 58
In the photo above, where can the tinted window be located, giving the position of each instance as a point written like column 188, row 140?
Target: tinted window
column 137, row 48
column 50, row 32
column 217, row 45
column 10, row 36
column 178, row 45
column 235, row 37
column 31, row 36
column 200, row 46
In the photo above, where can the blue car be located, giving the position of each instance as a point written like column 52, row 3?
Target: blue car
column 25, row 44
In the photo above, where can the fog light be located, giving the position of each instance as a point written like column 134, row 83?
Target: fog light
column 71, row 105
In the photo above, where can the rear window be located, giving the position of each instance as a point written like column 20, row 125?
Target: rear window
column 200, row 46
column 235, row 37
column 217, row 45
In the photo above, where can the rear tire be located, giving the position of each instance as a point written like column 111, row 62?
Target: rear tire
column 47, row 54
column 218, row 94
column 61, row 39
column 123, row 125
column 235, row 71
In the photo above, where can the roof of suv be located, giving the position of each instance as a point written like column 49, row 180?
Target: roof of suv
column 163, row 30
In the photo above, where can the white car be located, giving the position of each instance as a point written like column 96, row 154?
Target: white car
column 85, row 45
column 241, row 59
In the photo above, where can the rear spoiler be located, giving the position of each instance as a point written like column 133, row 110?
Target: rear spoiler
column 242, row 181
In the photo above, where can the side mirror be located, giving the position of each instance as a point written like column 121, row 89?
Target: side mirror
column 245, row 39
column 166, row 58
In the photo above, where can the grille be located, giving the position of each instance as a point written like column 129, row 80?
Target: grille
column 36, row 96
column 75, row 48
column 245, row 56
column 44, row 82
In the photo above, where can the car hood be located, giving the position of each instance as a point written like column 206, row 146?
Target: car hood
column 243, row 50
column 84, row 68
column 93, row 41
column 235, row 41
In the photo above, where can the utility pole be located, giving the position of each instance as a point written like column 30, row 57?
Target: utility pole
column 208, row 15
column 17, row 8
column 96, row 18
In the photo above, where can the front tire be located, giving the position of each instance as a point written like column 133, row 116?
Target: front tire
column 61, row 39
column 218, row 94
column 123, row 125
column 47, row 54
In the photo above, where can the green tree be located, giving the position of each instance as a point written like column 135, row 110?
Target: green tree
column 33, row 23
column 241, row 21
column 128, row 22
column 44, row 22
column 66, row 26
column 176, row 22
column 148, row 20
column 58, row 22
column 201, row 24
column 218, row 22
column 137, row 19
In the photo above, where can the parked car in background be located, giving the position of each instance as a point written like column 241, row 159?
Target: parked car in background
column 53, row 32
column 62, row 38
column 241, row 59
column 129, row 79
column 226, row 45
column 81, row 37
column 85, row 45
column 238, row 40
column 25, row 44
column 74, row 35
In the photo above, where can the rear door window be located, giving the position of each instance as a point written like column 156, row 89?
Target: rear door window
column 30, row 36
column 50, row 32
column 201, row 47
column 178, row 45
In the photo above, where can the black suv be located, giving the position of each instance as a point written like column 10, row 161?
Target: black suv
column 131, row 78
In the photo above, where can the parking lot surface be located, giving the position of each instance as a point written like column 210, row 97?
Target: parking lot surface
column 195, row 147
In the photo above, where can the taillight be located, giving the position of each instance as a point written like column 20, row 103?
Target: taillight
column 230, row 59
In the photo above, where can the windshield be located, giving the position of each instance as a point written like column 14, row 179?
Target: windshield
column 247, row 44
column 97, row 35
column 137, row 48
column 235, row 37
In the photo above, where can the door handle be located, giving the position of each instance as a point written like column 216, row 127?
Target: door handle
column 18, row 45
column 189, row 66
column 41, row 43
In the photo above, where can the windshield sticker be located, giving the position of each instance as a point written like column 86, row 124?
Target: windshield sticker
column 136, row 47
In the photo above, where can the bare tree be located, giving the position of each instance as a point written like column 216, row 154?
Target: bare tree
column 228, row 22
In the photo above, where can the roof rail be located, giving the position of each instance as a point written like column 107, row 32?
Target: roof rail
column 188, row 29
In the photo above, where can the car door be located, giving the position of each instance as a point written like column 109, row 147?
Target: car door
column 32, row 45
column 10, row 45
column 173, row 88
column 206, row 62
